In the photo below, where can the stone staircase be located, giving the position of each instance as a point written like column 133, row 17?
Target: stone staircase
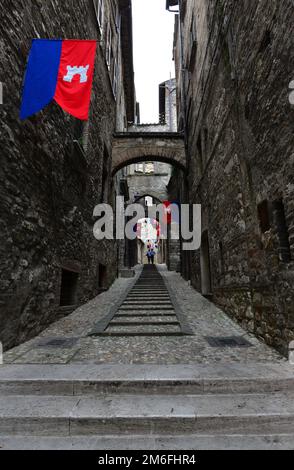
column 148, row 309
column 86, row 406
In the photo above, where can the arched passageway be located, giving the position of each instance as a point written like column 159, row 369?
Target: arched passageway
column 131, row 147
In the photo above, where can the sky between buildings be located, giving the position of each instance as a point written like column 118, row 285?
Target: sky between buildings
column 153, row 28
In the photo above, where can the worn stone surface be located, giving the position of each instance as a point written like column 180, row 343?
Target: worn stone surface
column 156, row 442
column 203, row 317
column 239, row 129
column 49, row 184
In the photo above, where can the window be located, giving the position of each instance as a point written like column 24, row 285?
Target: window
column 193, row 45
column 265, row 42
column 221, row 258
column 282, row 231
column 99, row 10
column 68, row 290
column 263, row 215
column 102, row 276
column 139, row 167
column 149, row 167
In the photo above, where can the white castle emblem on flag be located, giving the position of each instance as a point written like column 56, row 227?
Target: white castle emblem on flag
column 72, row 71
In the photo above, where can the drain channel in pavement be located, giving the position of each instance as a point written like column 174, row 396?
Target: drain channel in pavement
column 148, row 309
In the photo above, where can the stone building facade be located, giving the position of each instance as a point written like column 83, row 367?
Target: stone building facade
column 233, row 73
column 56, row 169
column 167, row 122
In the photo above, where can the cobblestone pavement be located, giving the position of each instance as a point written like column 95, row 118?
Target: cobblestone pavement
column 203, row 317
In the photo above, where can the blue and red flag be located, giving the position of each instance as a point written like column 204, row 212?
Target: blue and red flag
column 60, row 70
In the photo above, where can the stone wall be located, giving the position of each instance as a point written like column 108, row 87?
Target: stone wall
column 153, row 184
column 239, row 133
column 49, row 184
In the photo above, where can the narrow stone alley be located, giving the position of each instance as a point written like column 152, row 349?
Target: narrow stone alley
column 147, row 265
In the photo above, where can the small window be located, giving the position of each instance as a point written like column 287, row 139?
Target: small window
column 68, row 291
column 263, row 215
column 282, row 231
column 265, row 42
column 221, row 258
column 102, row 276
column 149, row 167
column 193, row 45
column 139, row 168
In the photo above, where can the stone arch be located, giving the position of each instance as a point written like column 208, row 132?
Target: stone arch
column 152, row 194
column 130, row 148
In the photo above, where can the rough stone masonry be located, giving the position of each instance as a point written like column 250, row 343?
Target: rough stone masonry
column 234, row 63
column 54, row 170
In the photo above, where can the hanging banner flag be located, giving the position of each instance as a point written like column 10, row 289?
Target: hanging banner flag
column 167, row 213
column 60, row 70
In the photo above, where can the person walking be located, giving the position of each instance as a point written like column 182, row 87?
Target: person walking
column 150, row 255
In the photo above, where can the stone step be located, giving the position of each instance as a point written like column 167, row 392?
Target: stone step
column 143, row 322
column 146, row 307
column 155, row 286
column 147, row 296
column 142, row 298
column 147, row 302
column 78, row 379
column 146, row 290
column 144, row 414
column 153, row 280
column 156, row 280
column 143, row 329
column 145, row 313
column 151, row 442
column 171, row 319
